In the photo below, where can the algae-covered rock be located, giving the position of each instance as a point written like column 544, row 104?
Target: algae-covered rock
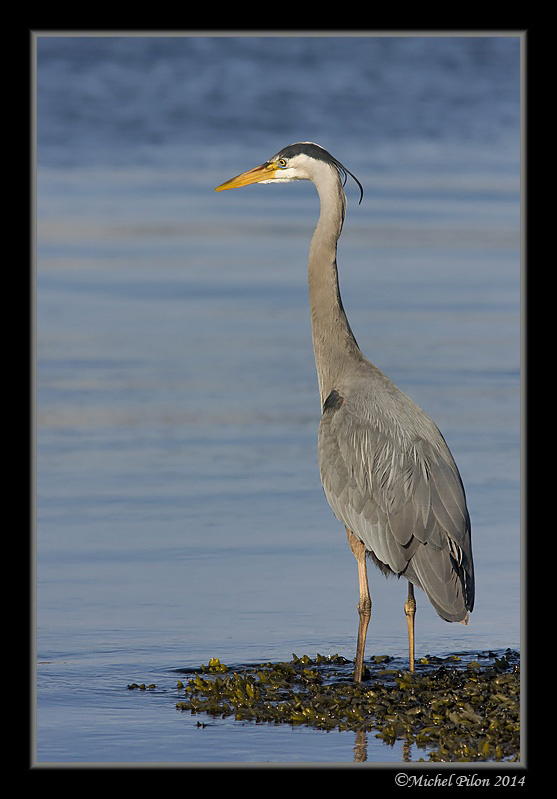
column 458, row 708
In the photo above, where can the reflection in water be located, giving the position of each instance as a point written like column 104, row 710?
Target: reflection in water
column 360, row 748
column 406, row 751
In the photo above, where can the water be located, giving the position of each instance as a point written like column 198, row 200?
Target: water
column 179, row 512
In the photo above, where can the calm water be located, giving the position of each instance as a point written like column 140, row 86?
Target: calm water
column 179, row 510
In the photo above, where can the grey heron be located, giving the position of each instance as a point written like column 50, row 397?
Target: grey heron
column 386, row 469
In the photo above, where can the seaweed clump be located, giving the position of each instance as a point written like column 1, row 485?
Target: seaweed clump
column 455, row 708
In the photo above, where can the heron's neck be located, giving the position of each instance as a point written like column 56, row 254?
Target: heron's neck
column 333, row 341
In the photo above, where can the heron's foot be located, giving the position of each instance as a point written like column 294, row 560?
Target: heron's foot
column 364, row 611
column 362, row 674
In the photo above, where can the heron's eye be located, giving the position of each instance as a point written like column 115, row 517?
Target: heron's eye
column 281, row 163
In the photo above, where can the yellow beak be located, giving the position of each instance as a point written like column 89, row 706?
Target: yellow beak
column 264, row 172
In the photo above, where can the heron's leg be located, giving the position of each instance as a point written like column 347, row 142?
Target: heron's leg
column 364, row 605
column 410, row 610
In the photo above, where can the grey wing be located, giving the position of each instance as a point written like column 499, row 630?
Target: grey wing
column 402, row 496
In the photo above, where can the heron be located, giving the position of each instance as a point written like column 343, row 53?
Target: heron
column 386, row 470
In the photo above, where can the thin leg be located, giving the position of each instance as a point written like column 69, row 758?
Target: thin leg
column 410, row 610
column 364, row 605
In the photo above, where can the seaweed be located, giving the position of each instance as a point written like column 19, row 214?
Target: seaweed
column 457, row 708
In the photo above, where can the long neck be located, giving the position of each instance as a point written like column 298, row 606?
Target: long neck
column 334, row 344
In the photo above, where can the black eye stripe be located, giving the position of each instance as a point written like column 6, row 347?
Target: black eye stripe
column 316, row 151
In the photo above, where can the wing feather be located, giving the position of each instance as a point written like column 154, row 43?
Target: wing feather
column 397, row 488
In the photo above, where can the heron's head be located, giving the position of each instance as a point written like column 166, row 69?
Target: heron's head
column 301, row 161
